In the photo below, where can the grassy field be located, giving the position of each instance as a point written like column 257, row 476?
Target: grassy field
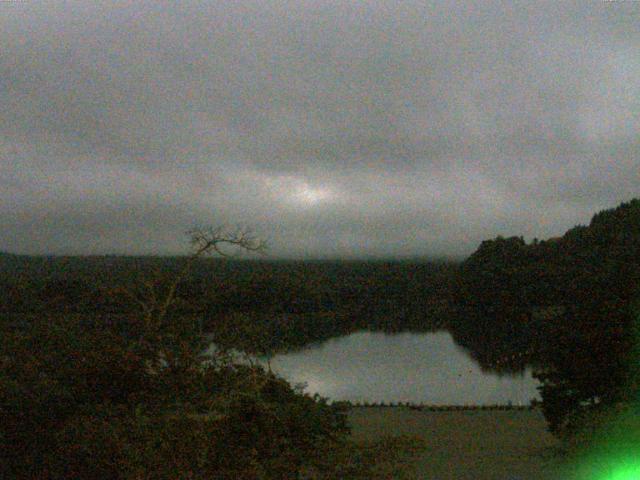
column 478, row 445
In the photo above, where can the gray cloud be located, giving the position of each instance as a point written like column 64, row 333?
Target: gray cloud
column 334, row 128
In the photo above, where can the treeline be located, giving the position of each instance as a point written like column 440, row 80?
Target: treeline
column 292, row 303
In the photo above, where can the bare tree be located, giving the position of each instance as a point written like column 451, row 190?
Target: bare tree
column 155, row 295
column 204, row 241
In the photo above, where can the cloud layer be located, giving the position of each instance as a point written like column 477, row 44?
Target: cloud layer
column 334, row 128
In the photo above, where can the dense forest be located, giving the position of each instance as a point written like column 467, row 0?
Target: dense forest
column 568, row 306
column 292, row 303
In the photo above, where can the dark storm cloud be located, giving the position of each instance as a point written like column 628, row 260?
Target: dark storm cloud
column 334, row 128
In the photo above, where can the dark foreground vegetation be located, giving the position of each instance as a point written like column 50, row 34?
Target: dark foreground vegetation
column 91, row 386
column 133, row 396
column 81, row 403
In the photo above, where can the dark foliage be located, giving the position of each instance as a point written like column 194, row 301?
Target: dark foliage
column 565, row 306
column 80, row 401
column 303, row 302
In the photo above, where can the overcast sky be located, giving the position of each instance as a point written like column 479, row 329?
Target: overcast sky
column 332, row 128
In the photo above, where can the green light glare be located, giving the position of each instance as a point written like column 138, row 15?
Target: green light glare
column 613, row 467
column 611, row 450
column 629, row 471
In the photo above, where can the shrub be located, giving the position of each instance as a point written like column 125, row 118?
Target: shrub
column 85, row 402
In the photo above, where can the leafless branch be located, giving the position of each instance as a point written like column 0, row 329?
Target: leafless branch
column 155, row 302
column 211, row 239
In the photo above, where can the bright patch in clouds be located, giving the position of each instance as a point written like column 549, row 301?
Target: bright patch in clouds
column 308, row 195
column 297, row 191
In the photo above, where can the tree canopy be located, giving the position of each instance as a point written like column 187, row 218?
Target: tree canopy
column 565, row 305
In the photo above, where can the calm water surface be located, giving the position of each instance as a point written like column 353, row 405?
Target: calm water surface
column 405, row 367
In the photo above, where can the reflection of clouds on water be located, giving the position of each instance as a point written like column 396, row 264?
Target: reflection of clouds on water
column 405, row 367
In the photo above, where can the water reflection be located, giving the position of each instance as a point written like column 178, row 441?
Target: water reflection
column 405, row 367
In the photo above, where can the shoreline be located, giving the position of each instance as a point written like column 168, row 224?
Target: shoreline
column 437, row 408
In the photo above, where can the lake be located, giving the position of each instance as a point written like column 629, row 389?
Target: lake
column 405, row 367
